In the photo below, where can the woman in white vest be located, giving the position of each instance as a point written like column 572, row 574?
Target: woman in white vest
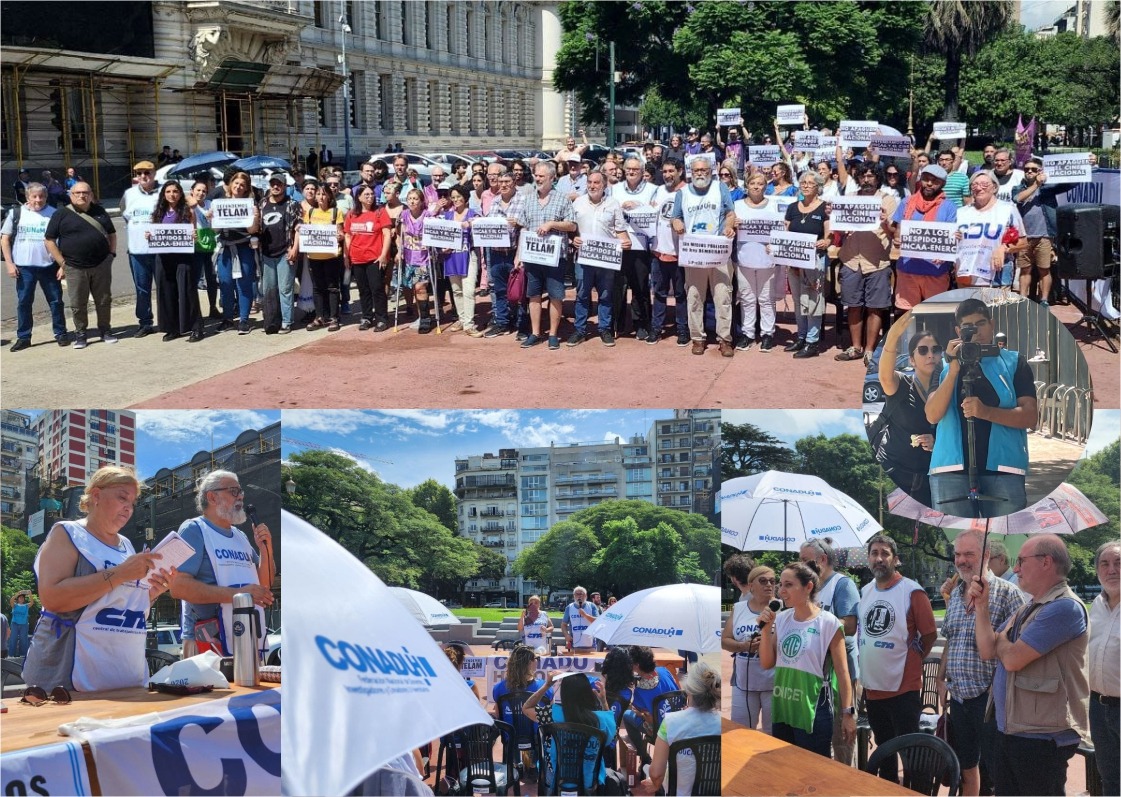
column 534, row 626
column 805, row 645
column 751, row 684
column 96, row 592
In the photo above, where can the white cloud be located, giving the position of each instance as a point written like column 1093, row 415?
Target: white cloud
column 791, row 425
column 1105, row 430
column 337, row 421
column 359, row 461
column 431, row 419
column 181, row 426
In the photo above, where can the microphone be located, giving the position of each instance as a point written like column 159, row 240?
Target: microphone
column 775, row 606
column 251, row 511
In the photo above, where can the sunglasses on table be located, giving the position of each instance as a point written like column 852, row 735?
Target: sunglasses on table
column 37, row 696
column 922, row 351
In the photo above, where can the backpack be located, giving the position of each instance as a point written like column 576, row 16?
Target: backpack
column 13, row 214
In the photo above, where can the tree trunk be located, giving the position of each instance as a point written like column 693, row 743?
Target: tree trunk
column 952, row 80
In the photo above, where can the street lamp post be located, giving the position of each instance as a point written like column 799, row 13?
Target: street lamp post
column 611, row 95
column 346, row 97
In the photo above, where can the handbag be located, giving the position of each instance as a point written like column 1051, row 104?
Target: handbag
column 515, row 285
column 206, row 239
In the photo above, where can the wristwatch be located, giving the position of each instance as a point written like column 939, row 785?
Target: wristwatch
column 851, row 711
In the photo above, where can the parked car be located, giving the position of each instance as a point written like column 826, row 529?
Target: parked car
column 169, row 639
column 872, row 393
column 450, row 159
column 422, row 163
column 495, row 605
column 272, row 648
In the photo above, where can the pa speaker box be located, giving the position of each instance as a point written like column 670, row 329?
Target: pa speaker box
column 1080, row 240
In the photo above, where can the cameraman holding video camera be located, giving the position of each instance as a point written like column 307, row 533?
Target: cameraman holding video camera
column 984, row 405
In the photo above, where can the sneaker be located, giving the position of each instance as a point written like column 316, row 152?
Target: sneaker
column 381, row 326
column 809, row 350
column 698, row 347
column 285, row 329
column 683, row 339
column 849, row 354
column 766, row 343
column 652, row 338
column 496, row 332
column 144, row 332
column 79, row 341
column 727, row 349
column 196, row 336
column 744, row 343
column 366, row 324
column 455, row 326
column 63, row 340
column 243, row 328
column 523, row 337
column 576, row 339
column 795, row 345
column 530, row 341
column 641, row 334
column 223, row 325
column 21, row 344
column 554, row 343
column 333, row 326
column 607, row 338
column 473, row 332
column 108, row 337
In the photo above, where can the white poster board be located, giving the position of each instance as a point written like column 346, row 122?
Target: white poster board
column 855, row 213
column 794, row 249
column 857, row 133
column 490, row 232
column 319, row 239
column 171, row 238
column 790, row 115
column 764, row 155
column 229, row 214
column 540, row 250
column 704, row 251
column 948, row 130
column 806, row 140
column 928, row 240
column 729, row 117
column 443, row 234
column 1071, row 167
column 757, row 227
column 892, row 146
column 600, row 253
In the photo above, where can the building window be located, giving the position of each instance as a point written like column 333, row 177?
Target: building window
column 352, row 15
column 406, row 21
column 379, row 19
column 435, row 118
column 320, row 14
column 472, row 29
column 453, row 109
column 449, row 26
column 410, row 100
column 357, row 85
column 387, row 122
column 429, row 31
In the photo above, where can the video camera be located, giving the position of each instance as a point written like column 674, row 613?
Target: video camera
column 971, row 353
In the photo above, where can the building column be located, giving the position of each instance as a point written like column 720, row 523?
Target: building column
column 550, row 116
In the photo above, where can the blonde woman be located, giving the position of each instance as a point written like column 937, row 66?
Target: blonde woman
column 534, row 626
column 701, row 717
column 752, row 685
column 86, row 569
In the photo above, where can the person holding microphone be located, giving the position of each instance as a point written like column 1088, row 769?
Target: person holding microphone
column 534, row 626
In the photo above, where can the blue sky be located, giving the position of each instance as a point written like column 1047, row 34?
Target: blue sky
column 406, row 447
column 1037, row 13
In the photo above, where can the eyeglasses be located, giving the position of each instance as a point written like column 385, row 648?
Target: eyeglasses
column 139, row 172
column 924, row 350
column 725, row 174
column 80, row 193
column 892, row 174
column 236, row 492
column 37, row 696
column 1031, row 171
column 766, row 581
column 1020, row 559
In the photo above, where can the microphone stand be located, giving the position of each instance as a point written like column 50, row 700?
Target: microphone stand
column 970, row 373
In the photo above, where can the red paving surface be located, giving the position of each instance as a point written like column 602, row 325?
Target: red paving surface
column 352, row 369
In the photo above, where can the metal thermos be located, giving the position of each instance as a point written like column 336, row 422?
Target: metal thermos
column 247, row 636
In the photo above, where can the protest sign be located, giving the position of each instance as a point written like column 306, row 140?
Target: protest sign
column 892, row 146
column 231, row 213
column 543, row 250
column 137, row 236
column 704, row 251
column 490, row 232
column 1070, row 167
column 929, row 240
column 855, row 213
column 729, row 117
column 171, row 238
column 600, row 253
column 857, row 134
column 46, row 769
column 779, row 204
column 791, row 115
column 807, row 139
column 705, row 156
column 764, row 155
column 794, row 249
column 643, row 220
column 443, row 234
column 757, row 225
column 496, row 665
column 947, row 130
column 319, row 239
column 975, row 259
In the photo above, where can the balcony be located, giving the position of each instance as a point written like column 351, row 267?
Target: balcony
column 491, row 512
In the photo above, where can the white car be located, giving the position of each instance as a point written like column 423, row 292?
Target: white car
column 272, row 648
column 422, row 163
column 169, row 639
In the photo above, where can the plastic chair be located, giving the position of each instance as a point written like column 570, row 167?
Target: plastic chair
column 706, row 754
column 928, row 722
column 474, row 762
column 157, row 660
column 571, row 742
column 525, row 739
column 664, row 704
column 12, row 675
column 508, row 643
column 927, row 761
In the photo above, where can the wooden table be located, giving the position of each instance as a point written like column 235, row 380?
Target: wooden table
column 753, row 763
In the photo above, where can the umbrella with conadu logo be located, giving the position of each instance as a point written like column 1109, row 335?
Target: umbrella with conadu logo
column 676, row 616
column 364, row 681
column 426, row 609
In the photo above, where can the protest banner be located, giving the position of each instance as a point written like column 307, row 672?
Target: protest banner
column 230, row 214
column 495, row 666
column 1104, row 188
column 490, row 232
column 600, row 253
column 764, row 155
column 794, row 249
column 443, row 234
column 704, row 156
column 728, row 117
column 892, row 146
column 46, row 769
column 704, row 251
column 643, row 220
column 948, row 130
column 543, row 250
column 929, row 240
column 855, row 213
column 137, row 236
column 975, row 259
column 857, row 134
column 779, row 204
column 319, row 239
column 791, row 115
column 1069, row 167
column 756, row 227
column 807, row 139
column 171, row 238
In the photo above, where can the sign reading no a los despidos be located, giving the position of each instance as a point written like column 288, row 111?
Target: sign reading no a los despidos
column 171, row 238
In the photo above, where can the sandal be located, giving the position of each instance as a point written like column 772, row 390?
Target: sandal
column 316, row 323
column 849, row 354
column 333, row 326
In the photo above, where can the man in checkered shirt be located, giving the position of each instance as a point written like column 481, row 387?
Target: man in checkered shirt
column 547, row 213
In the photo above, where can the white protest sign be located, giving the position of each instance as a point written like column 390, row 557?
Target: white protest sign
column 728, row 117
column 857, row 134
column 704, row 156
column 349, row 666
column 496, row 668
column 855, row 213
column 319, row 239
column 794, row 249
column 540, row 250
column 806, row 140
column 490, row 232
column 756, row 227
column 443, row 234
column 945, row 130
column 474, row 667
column 764, row 155
column 790, row 115
column 779, row 204
column 137, row 237
column 56, row 769
column 1073, row 167
column 928, row 240
column 643, row 220
column 231, row 213
column 892, row 146
column 975, row 259
column 171, row 238
column 233, row 741
column 704, row 251
column 600, row 253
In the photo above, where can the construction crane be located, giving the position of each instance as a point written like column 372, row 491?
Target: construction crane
column 321, row 447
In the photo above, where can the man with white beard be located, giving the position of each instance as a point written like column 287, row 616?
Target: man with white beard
column 223, row 564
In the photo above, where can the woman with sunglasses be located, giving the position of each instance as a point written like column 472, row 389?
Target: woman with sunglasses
column 751, row 684
column 728, row 177
column 87, row 569
column 902, row 438
column 896, row 181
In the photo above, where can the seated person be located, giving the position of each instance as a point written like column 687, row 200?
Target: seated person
column 701, row 717
column 650, row 681
column 581, row 701
column 520, row 677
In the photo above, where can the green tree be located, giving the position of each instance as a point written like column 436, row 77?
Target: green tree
column 437, row 499
column 17, row 555
column 1113, row 20
column 562, row 557
column 746, row 449
column 957, row 30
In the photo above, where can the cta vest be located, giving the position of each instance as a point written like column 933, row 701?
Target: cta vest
column 749, row 672
column 232, row 560
column 534, row 633
column 882, row 638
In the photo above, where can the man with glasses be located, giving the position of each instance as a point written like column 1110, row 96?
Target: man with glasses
column 984, row 257
column 989, row 152
column 1040, row 690
column 665, row 273
column 1038, row 208
column 137, row 206
column 81, row 239
column 634, row 193
column 30, row 264
column 1007, row 178
column 369, row 177
column 509, row 205
column 494, row 172
column 957, row 184
column 1001, row 408
column 224, row 563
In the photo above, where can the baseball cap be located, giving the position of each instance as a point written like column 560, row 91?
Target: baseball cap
column 1001, row 336
column 277, row 177
column 144, row 165
column 692, row 131
column 934, row 170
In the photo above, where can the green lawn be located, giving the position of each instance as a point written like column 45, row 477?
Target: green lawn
column 486, row 614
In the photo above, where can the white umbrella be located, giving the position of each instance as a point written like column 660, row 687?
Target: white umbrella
column 426, row 609
column 364, row 681
column 777, row 511
column 676, row 616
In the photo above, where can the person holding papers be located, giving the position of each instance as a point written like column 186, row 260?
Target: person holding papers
column 756, row 272
column 237, row 259
column 461, row 266
column 1039, row 207
column 808, row 215
column 326, row 268
column 599, row 219
column 96, row 592
column 534, row 626
column 984, row 244
column 918, row 279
